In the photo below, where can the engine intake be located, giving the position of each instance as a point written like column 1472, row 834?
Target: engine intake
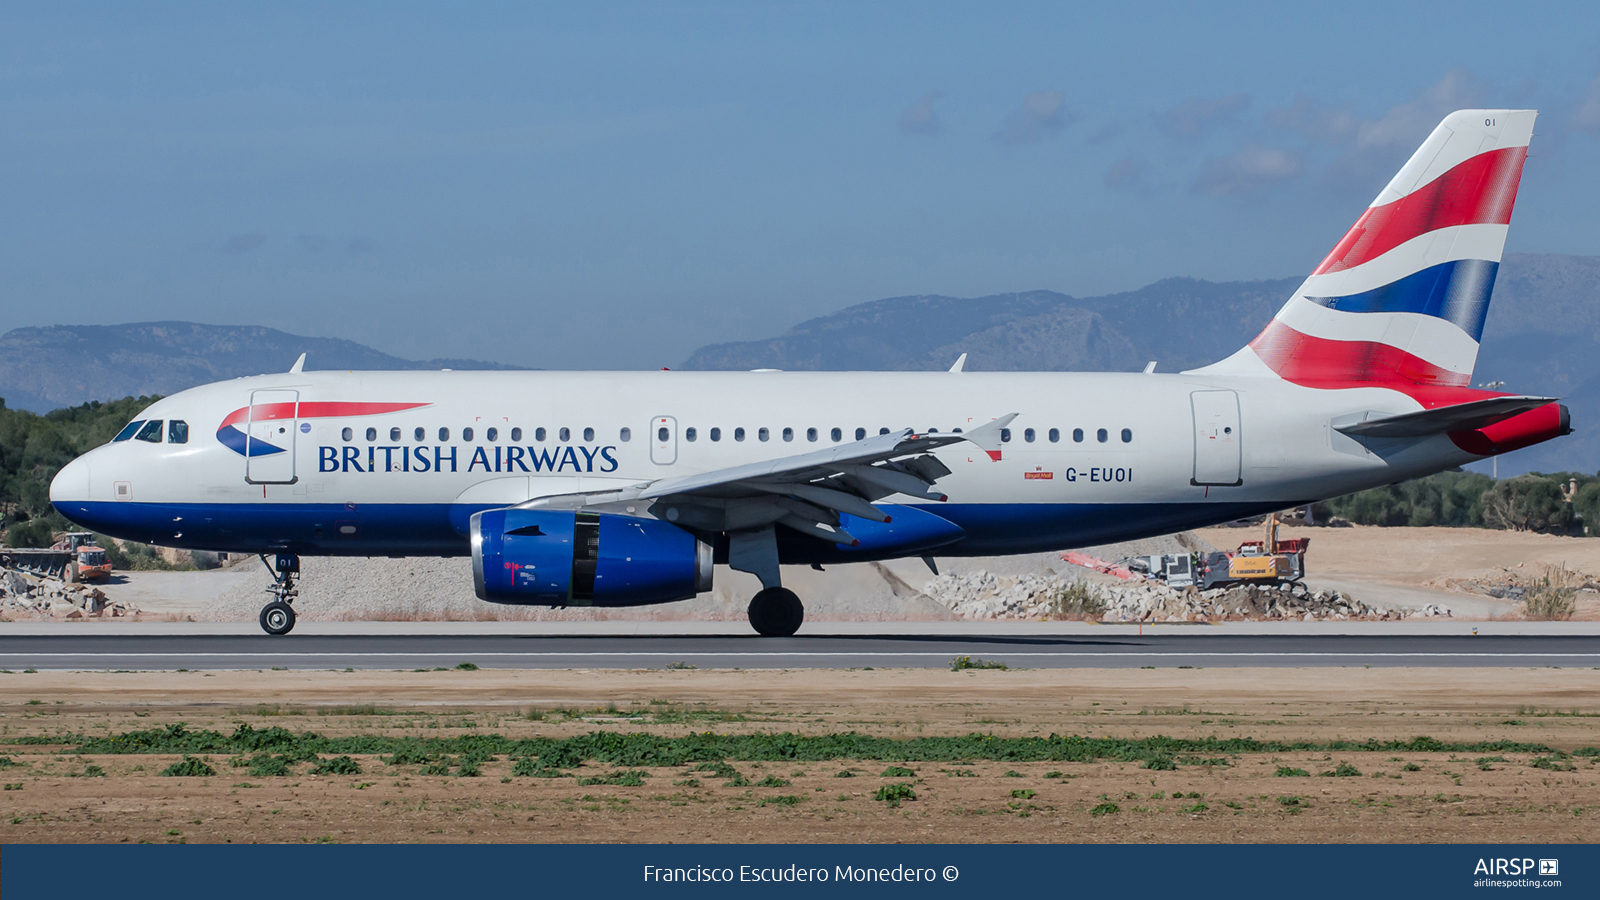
column 555, row 558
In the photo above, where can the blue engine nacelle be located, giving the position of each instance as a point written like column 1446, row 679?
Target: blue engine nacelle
column 555, row 558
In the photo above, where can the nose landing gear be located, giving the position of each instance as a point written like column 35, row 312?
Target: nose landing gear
column 277, row 617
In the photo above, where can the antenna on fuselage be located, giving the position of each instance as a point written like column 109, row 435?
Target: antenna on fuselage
column 298, row 364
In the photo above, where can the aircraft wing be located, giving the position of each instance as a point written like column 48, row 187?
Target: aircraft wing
column 807, row 491
column 1443, row 419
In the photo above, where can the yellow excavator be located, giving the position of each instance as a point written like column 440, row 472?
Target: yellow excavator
column 1267, row 561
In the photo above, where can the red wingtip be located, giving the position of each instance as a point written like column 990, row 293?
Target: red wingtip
column 855, row 543
column 943, row 497
column 993, row 454
column 888, row 519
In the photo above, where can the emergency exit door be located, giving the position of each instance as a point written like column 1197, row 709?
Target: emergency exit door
column 1216, row 438
column 663, row 440
column 271, row 424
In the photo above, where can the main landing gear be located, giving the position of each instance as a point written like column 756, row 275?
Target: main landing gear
column 277, row 617
column 776, row 612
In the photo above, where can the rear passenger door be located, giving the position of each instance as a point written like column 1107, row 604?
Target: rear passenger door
column 270, row 429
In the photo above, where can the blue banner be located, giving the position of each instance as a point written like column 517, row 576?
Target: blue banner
column 346, row 872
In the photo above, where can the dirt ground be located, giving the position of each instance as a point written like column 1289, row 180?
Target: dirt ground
column 1396, row 797
column 1365, row 558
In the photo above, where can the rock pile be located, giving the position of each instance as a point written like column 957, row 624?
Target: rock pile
column 40, row 597
column 984, row 595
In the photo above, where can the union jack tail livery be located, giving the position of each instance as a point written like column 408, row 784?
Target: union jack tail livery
column 1400, row 301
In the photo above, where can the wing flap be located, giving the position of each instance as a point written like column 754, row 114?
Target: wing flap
column 1442, row 420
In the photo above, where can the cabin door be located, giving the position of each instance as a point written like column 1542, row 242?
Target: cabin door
column 1216, row 438
column 270, row 429
column 663, row 440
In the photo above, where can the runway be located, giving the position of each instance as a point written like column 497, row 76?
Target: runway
column 99, row 652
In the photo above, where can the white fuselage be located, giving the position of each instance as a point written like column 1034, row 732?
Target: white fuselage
column 351, row 481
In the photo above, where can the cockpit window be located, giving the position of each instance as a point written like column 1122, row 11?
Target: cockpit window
column 177, row 431
column 128, row 431
column 150, row 432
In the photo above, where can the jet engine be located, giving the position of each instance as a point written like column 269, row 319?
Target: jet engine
column 556, row 558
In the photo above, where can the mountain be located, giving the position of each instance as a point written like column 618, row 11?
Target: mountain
column 1542, row 333
column 49, row 367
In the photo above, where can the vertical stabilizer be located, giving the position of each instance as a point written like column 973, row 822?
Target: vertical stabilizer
column 1402, row 298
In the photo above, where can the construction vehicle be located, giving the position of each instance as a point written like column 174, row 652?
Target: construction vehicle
column 74, row 557
column 1267, row 561
column 1176, row 569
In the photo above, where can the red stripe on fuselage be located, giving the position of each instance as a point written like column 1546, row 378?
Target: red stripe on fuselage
column 1479, row 191
column 315, row 409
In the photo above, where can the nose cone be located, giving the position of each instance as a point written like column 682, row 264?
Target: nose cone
column 71, row 483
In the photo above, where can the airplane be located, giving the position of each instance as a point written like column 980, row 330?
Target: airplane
column 626, row 488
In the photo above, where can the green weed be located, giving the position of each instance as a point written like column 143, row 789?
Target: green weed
column 894, row 794
column 189, row 766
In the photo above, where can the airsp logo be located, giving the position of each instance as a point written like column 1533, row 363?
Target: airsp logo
column 1501, row 866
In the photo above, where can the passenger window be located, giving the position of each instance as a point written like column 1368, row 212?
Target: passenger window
column 128, row 430
column 861, row 434
column 1055, row 435
column 565, row 434
column 347, row 434
column 444, row 434
column 150, row 432
column 689, row 434
column 716, row 434
column 1127, row 435
column 627, row 435
column 955, row 431
column 516, row 434
column 1101, row 435
column 1005, row 435
column 420, row 434
column 811, row 434
column 588, row 435
column 372, row 434
column 883, row 431
column 788, row 434
column 466, row 434
column 836, row 435
column 1077, row 435
column 662, row 434
column 538, row 434
column 178, row 431
column 762, row 434
column 1027, row 435
column 493, row 434
column 394, row 434
column 738, row 434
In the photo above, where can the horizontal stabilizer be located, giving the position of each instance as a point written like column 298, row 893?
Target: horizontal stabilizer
column 1445, row 419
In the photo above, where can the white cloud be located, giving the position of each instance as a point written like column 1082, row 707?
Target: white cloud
column 1250, row 170
column 1197, row 115
column 1309, row 117
column 920, row 117
column 1587, row 116
column 1042, row 115
column 1406, row 125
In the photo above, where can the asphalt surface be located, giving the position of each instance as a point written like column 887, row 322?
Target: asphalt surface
column 412, row 651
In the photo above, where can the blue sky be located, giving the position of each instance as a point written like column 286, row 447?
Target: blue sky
column 611, row 186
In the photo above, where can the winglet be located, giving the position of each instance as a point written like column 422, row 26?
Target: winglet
column 989, row 437
column 298, row 365
column 960, row 362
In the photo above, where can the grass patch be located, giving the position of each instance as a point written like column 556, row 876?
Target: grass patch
column 188, row 767
column 898, row 772
column 1411, row 767
column 1107, row 808
column 1551, row 763
column 1290, row 772
column 780, row 800
column 895, row 794
column 623, row 778
column 773, row 781
column 972, row 662
column 1023, row 794
column 264, row 765
column 337, row 765
column 1289, row 800
column 1342, row 770
column 467, row 667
